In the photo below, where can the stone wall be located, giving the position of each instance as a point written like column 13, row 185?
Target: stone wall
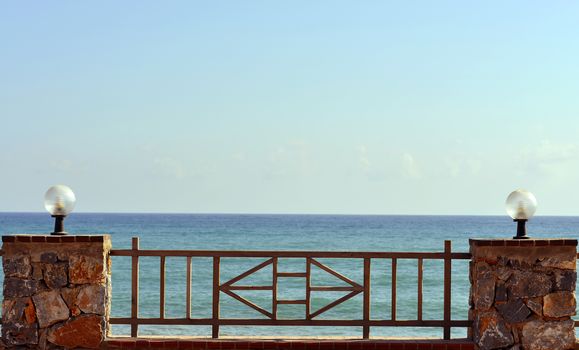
column 523, row 294
column 56, row 291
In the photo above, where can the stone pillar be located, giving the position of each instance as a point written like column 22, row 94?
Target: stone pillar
column 522, row 293
column 56, row 291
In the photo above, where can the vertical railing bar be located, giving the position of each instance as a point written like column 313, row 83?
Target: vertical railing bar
column 420, row 278
column 274, row 289
column 135, row 287
column 215, row 326
column 188, row 306
column 162, row 289
column 394, row 263
column 447, row 287
column 366, row 329
column 308, row 288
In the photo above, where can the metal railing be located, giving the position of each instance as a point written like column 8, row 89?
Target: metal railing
column 352, row 288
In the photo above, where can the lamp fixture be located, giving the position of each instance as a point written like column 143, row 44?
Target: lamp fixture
column 521, row 206
column 59, row 201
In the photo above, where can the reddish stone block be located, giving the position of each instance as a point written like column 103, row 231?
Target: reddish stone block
column 298, row 345
column 52, row 239
column 82, row 238
column 313, row 345
column 67, row 239
column 327, row 345
column 469, row 346
column 38, row 239
column 156, row 344
column 383, row 346
column 85, row 269
column 114, row 344
column 527, row 243
column 97, row 238
column 269, row 345
column 557, row 242
column 142, row 343
column 513, row 243
column 256, row 345
column 24, row 239
column 171, row 344
column 439, row 346
column 368, row 345
column 424, row 346
column 284, row 345
column 453, row 347
column 491, row 261
column 8, row 239
column 354, row 346
column 243, row 345
column 129, row 344
column 199, row 345
column 498, row 243
column 185, row 344
column 215, row 344
column 340, row 346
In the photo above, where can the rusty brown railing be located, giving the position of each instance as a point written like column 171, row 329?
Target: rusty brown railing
column 311, row 258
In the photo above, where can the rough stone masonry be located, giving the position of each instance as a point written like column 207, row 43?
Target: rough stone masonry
column 56, row 291
column 523, row 294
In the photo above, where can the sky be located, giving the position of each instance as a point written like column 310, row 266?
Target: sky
column 316, row 107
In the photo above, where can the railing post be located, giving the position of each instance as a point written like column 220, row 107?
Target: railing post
column 274, row 289
column 394, row 272
column 162, row 289
column 135, row 288
column 366, row 328
column 447, row 287
column 215, row 326
column 188, row 306
column 308, row 288
column 419, row 289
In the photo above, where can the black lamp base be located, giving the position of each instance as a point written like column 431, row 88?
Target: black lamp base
column 59, row 233
column 59, row 225
column 521, row 229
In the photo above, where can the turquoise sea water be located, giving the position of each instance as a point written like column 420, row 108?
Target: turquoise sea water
column 290, row 232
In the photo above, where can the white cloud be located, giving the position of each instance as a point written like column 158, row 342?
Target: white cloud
column 170, row 167
column 454, row 166
column 474, row 165
column 410, row 166
column 64, row 165
column 239, row 156
column 550, row 159
column 292, row 159
column 363, row 159
column 548, row 152
column 462, row 164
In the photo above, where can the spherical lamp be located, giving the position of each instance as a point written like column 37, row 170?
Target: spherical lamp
column 59, row 201
column 521, row 206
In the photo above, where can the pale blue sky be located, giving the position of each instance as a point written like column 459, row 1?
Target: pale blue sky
column 410, row 107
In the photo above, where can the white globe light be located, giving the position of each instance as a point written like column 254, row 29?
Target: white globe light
column 59, row 200
column 521, row 205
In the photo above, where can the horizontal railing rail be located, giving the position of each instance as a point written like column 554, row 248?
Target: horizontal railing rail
column 230, row 287
column 286, row 254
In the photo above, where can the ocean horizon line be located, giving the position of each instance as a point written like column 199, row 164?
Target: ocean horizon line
column 277, row 214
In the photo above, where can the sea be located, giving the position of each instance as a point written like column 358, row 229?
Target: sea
column 400, row 233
